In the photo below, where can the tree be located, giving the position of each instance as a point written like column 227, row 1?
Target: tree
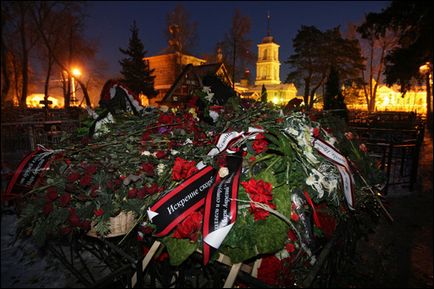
column 264, row 94
column 375, row 47
column 315, row 52
column 412, row 20
column 20, row 38
column 236, row 47
column 333, row 97
column 181, row 32
column 136, row 72
column 64, row 44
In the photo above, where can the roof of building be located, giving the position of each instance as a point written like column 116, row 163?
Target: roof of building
column 200, row 71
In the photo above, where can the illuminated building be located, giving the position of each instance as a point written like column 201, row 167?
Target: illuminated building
column 268, row 74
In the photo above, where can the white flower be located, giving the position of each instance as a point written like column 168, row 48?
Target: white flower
column 174, row 152
column 214, row 115
column 310, row 180
column 206, row 89
column 292, row 131
column 146, row 153
column 332, row 141
column 209, row 94
column 223, row 172
column 160, row 168
column 187, row 141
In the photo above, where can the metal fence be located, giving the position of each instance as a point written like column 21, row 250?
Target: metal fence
column 396, row 152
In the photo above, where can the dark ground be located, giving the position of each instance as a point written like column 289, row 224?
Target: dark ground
column 396, row 255
column 399, row 254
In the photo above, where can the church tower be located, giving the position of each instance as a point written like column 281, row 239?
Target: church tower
column 268, row 65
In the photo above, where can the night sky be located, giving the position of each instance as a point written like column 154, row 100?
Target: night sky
column 109, row 22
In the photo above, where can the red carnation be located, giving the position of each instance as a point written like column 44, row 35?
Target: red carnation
column 73, row 177
column 99, row 212
column 182, row 169
column 260, row 144
column 65, row 199
column 132, row 193
column 90, row 170
column 189, row 227
column 85, row 225
column 74, row 220
column 141, row 193
column 269, row 270
column 152, row 189
column 85, row 180
column 148, row 168
column 160, row 154
column 65, row 230
column 48, row 208
column 52, row 193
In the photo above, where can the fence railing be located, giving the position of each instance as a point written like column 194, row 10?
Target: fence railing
column 396, row 152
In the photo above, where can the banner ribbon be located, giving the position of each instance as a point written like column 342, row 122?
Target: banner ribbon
column 30, row 171
column 341, row 164
column 176, row 205
column 221, row 207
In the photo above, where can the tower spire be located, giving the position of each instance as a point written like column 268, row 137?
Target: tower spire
column 268, row 23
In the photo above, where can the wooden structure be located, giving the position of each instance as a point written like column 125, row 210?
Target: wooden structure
column 190, row 79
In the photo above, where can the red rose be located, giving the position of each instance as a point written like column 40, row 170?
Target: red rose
column 290, row 247
column 52, row 193
column 269, row 270
column 65, row 199
column 260, row 144
column 73, row 177
column 94, row 191
column 294, row 216
column 166, row 118
column 163, row 256
column 85, row 225
column 189, row 227
column 141, row 193
column 85, row 180
column 99, row 212
column 65, row 230
column 48, row 208
column 74, row 220
column 132, row 193
column 148, row 168
column 152, row 189
column 183, row 169
column 90, row 170
column 316, row 132
column 160, row 154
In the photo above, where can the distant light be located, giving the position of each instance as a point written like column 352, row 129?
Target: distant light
column 76, row 72
column 275, row 100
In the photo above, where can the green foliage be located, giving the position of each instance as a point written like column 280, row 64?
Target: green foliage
column 136, row 72
column 179, row 249
column 333, row 98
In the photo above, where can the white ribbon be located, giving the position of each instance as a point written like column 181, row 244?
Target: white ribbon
column 342, row 165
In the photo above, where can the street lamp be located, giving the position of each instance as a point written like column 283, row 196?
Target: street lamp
column 425, row 70
column 75, row 72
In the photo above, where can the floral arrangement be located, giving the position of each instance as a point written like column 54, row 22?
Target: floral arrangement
column 290, row 194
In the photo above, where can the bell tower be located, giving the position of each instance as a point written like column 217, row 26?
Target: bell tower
column 268, row 65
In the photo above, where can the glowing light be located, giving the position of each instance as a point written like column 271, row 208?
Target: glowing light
column 275, row 100
column 76, row 72
column 34, row 101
